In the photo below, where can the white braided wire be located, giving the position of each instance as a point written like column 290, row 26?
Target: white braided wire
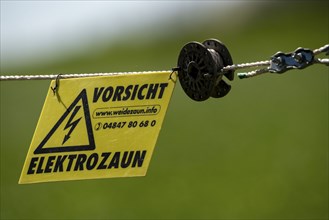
column 322, row 61
column 321, row 49
column 325, row 48
column 246, row 65
column 78, row 75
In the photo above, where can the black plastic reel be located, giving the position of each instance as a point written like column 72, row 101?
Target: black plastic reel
column 200, row 68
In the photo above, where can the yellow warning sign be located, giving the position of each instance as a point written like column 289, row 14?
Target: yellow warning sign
column 98, row 127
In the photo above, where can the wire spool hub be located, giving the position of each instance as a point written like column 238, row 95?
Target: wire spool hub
column 200, row 68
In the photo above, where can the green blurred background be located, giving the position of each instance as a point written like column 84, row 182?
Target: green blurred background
column 261, row 152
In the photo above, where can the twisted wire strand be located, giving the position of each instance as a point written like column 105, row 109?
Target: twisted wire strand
column 322, row 49
column 253, row 73
column 246, row 65
column 322, row 61
column 77, row 75
column 325, row 48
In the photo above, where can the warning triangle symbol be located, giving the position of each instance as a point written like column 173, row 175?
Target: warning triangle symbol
column 72, row 118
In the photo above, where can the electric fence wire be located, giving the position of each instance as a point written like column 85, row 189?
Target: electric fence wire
column 257, row 72
column 67, row 76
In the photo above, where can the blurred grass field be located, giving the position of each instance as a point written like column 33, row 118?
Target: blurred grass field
column 261, row 152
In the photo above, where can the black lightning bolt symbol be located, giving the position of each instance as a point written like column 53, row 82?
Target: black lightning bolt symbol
column 71, row 124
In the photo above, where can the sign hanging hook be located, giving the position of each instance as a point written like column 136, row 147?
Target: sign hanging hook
column 56, row 87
